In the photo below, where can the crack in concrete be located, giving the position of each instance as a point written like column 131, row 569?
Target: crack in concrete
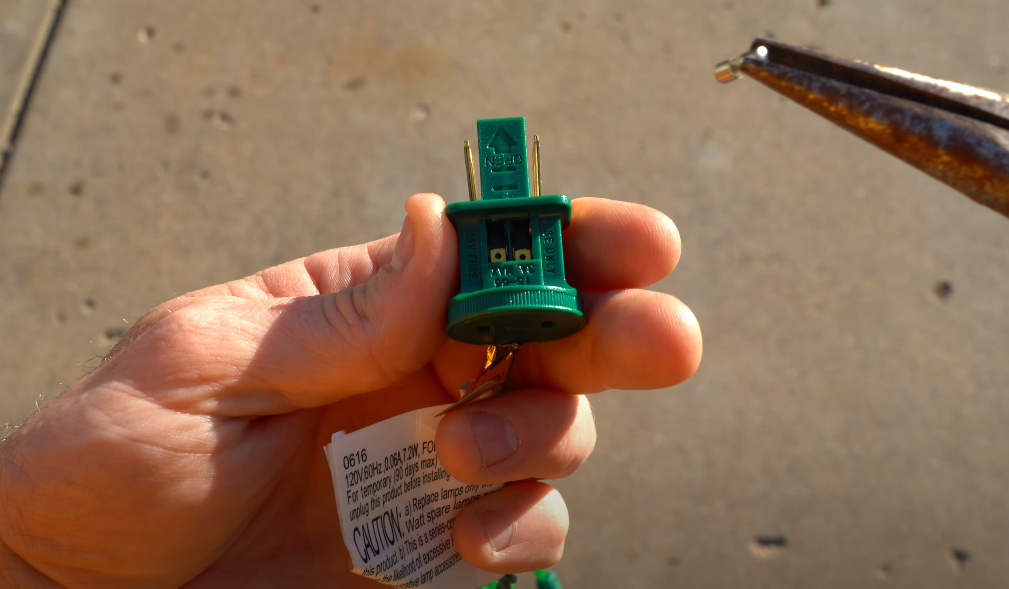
column 16, row 114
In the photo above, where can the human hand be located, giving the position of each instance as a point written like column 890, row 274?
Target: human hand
column 193, row 454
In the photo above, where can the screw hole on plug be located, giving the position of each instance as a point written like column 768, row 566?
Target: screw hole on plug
column 498, row 255
column 547, row 325
column 483, row 330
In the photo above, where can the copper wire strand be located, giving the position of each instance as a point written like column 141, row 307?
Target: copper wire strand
column 479, row 391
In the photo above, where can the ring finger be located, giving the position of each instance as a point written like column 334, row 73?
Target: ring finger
column 519, row 528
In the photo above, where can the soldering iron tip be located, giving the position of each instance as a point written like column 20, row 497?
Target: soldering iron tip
column 728, row 71
column 956, row 133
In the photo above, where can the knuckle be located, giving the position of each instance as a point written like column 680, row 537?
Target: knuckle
column 347, row 312
column 355, row 322
column 185, row 340
column 567, row 458
column 187, row 326
column 146, row 323
column 349, row 322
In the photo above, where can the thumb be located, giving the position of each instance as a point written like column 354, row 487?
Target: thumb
column 245, row 357
column 394, row 323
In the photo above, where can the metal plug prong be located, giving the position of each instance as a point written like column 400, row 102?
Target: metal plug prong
column 537, row 191
column 470, row 171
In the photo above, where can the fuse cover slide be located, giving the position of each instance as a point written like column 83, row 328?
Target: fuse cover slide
column 513, row 288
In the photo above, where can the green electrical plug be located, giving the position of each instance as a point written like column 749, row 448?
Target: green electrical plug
column 511, row 259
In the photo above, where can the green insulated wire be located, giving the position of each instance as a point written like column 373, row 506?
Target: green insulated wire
column 547, row 580
column 544, row 580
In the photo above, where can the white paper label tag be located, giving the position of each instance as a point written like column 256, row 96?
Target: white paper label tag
column 397, row 504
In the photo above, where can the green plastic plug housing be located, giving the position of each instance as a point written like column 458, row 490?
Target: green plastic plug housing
column 511, row 258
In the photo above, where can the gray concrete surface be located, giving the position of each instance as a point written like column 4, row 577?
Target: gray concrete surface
column 841, row 405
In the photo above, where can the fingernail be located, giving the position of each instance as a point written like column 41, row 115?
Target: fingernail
column 499, row 529
column 495, row 436
column 404, row 245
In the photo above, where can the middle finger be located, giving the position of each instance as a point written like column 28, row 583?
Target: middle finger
column 634, row 339
column 525, row 434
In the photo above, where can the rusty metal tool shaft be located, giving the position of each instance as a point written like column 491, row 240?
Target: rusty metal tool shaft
column 957, row 134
